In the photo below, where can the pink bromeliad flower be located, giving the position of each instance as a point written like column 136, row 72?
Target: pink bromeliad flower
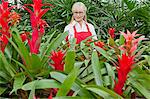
column 37, row 24
column 131, row 42
column 7, row 19
column 57, row 58
column 111, row 32
column 126, row 60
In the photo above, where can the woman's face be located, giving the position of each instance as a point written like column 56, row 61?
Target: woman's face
column 79, row 14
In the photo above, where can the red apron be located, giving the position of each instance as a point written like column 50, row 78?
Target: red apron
column 81, row 35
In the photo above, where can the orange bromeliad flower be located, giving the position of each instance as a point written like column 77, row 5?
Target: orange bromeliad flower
column 126, row 60
column 14, row 18
column 99, row 44
column 57, row 58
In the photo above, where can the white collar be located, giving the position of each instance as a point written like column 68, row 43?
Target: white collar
column 75, row 23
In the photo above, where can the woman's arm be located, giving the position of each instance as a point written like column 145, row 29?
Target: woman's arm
column 70, row 31
column 92, row 30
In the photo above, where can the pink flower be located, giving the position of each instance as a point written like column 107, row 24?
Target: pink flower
column 57, row 58
column 131, row 42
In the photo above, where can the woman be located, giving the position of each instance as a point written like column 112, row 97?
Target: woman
column 79, row 28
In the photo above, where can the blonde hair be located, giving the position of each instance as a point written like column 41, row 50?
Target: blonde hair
column 77, row 5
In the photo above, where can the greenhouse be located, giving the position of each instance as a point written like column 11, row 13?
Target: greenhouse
column 74, row 49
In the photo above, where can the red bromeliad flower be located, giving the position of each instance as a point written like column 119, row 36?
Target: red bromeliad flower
column 126, row 61
column 3, row 42
column 24, row 36
column 57, row 58
column 6, row 20
column 111, row 32
column 125, row 66
column 4, row 16
column 53, row 92
column 37, row 24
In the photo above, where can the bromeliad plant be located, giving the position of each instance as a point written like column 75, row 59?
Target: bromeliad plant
column 126, row 60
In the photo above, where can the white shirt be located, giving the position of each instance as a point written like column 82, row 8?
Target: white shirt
column 69, row 28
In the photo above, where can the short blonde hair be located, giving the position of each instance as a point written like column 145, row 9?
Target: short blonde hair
column 76, row 5
column 79, row 4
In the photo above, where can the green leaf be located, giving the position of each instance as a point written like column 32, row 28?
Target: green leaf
column 121, row 40
column 104, row 53
column 3, row 81
column 8, row 66
column 111, row 73
column 68, row 82
column 69, row 61
column 140, row 88
column 106, row 80
column 4, row 75
column 77, row 86
column 96, row 69
column 2, row 90
column 131, row 4
column 36, row 63
column 41, row 84
column 32, row 92
column 26, row 70
column 78, row 64
column 112, row 42
column 103, row 92
column 72, row 43
column 21, row 49
column 58, row 76
column 147, row 59
column 47, row 42
column 114, row 45
column 18, row 82
column 88, row 78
